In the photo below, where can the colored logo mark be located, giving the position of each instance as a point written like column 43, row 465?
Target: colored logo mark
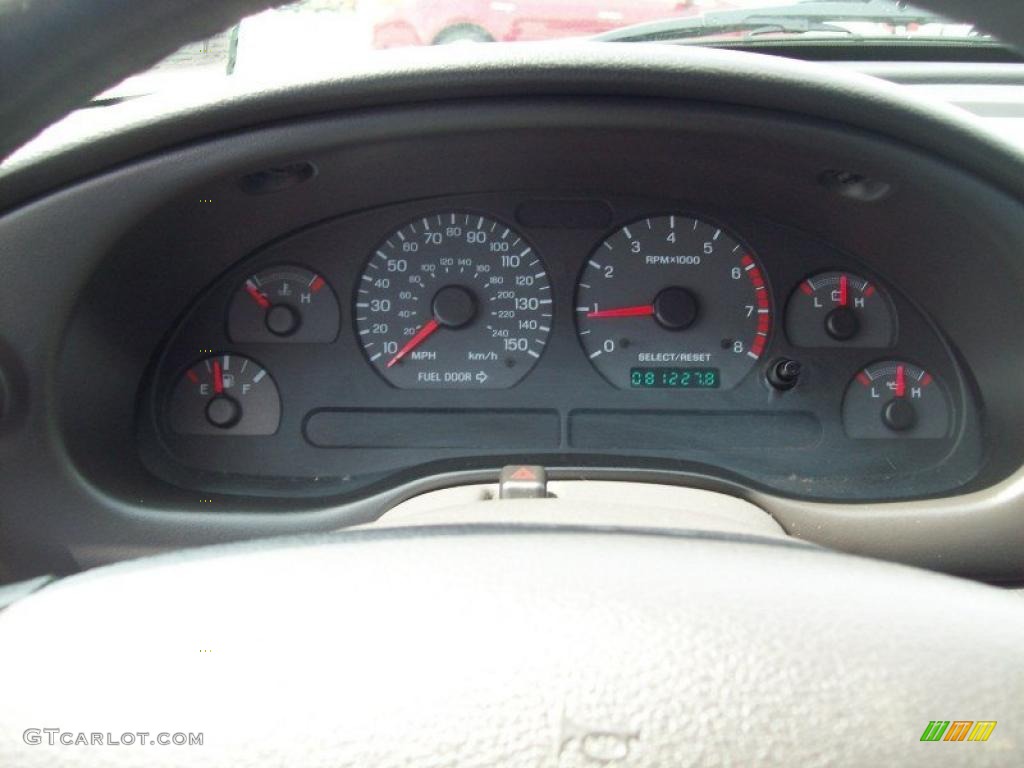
column 958, row 730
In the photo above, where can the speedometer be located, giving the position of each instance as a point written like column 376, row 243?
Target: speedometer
column 453, row 300
column 673, row 302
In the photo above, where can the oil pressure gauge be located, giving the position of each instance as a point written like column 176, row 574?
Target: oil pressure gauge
column 225, row 395
column 894, row 399
column 840, row 309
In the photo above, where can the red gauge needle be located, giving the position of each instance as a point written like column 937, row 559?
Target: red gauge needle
column 415, row 341
column 258, row 297
column 644, row 310
column 901, row 381
column 218, row 378
column 844, row 290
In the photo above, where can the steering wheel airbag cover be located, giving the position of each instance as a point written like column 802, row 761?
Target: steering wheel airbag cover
column 499, row 646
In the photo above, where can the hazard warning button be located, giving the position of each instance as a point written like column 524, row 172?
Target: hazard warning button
column 523, row 481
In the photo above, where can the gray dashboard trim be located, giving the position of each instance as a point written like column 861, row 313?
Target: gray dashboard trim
column 979, row 534
column 937, row 73
column 932, row 533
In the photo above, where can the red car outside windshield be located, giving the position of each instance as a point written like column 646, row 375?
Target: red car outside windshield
column 426, row 22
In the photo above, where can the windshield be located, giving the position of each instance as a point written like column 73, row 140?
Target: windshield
column 313, row 35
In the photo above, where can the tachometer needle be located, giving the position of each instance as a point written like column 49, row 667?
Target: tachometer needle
column 638, row 311
column 218, row 378
column 415, row 341
column 258, row 297
column 901, row 381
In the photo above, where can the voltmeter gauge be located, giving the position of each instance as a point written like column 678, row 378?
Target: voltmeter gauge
column 225, row 395
column 840, row 309
column 284, row 304
column 894, row 399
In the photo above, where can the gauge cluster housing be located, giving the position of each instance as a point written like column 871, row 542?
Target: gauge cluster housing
column 344, row 433
column 344, row 427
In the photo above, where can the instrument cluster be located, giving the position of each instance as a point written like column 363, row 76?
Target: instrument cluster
column 584, row 329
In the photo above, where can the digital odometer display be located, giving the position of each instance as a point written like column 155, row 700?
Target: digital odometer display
column 674, row 378
column 453, row 301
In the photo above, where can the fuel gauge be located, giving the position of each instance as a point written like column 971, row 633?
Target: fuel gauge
column 840, row 309
column 225, row 395
column 894, row 399
column 283, row 304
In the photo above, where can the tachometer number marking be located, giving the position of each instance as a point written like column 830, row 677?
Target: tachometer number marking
column 673, row 292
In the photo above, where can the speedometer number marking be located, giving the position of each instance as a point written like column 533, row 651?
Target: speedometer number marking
column 454, row 300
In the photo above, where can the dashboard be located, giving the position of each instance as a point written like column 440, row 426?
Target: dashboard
column 621, row 341
column 608, row 330
column 289, row 311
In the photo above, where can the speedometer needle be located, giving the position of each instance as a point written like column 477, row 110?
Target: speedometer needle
column 643, row 310
column 415, row 341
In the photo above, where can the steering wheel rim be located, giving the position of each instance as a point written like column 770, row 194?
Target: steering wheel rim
column 101, row 42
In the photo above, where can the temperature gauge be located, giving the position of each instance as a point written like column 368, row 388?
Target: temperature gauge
column 840, row 309
column 895, row 399
column 282, row 304
column 225, row 395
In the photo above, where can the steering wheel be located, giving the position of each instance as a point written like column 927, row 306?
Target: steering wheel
column 522, row 646
column 479, row 644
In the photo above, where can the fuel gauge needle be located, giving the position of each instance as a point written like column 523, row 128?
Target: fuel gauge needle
column 901, row 381
column 415, row 341
column 218, row 378
column 643, row 310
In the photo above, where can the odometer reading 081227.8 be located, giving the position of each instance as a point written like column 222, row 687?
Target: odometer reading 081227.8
column 674, row 378
column 673, row 302
column 453, row 300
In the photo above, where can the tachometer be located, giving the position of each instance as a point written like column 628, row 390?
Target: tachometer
column 453, row 300
column 673, row 302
